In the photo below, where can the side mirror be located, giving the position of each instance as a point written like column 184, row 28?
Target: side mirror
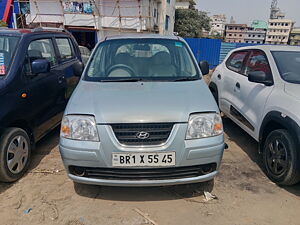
column 40, row 66
column 78, row 68
column 259, row 77
column 204, row 66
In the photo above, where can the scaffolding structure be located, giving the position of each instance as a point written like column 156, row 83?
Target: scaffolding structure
column 120, row 12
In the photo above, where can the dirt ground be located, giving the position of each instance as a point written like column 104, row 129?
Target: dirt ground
column 244, row 195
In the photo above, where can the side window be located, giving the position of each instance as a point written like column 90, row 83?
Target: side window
column 235, row 61
column 257, row 62
column 40, row 49
column 64, row 47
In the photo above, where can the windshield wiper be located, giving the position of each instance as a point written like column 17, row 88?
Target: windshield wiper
column 123, row 80
column 186, row 79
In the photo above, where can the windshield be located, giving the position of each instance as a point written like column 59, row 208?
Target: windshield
column 141, row 59
column 7, row 49
column 288, row 64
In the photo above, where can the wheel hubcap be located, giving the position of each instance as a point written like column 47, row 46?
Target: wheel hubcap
column 277, row 159
column 17, row 154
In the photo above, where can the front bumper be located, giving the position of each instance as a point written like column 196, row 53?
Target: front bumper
column 98, row 155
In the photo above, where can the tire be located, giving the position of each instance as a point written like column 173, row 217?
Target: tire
column 281, row 158
column 15, row 152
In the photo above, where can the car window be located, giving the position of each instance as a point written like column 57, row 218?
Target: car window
column 149, row 59
column 8, row 46
column 288, row 63
column 257, row 62
column 40, row 49
column 64, row 48
column 235, row 61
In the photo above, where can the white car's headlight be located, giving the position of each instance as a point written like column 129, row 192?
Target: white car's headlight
column 204, row 125
column 79, row 127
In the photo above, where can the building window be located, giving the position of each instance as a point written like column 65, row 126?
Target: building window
column 241, row 35
column 229, row 35
column 259, row 36
column 167, row 23
column 272, row 24
column 169, row 1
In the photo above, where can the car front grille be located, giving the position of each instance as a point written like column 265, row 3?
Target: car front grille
column 143, row 173
column 157, row 133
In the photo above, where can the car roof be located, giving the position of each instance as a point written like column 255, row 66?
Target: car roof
column 21, row 32
column 271, row 48
column 143, row 36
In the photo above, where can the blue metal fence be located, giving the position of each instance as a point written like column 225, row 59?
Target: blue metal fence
column 206, row 49
column 212, row 50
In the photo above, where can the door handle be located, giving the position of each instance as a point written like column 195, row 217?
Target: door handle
column 61, row 79
column 219, row 76
column 238, row 85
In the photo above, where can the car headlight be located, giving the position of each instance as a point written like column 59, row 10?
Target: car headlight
column 79, row 127
column 204, row 125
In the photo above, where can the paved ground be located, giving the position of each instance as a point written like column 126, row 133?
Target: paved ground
column 244, row 195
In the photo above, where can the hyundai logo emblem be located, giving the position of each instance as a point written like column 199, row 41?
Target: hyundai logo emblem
column 142, row 135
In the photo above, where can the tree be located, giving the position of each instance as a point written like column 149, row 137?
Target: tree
column 191, row 22
column 2, row 24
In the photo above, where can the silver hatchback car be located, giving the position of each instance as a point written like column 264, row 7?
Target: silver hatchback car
column 142, row 116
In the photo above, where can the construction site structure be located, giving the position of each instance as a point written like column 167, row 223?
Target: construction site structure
column 275, row 11
column 92, row 20
column 279, row 28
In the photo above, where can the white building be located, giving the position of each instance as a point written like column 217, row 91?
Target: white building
column 218, row 23
column 279, row 31
column 255, row 36
column 90, row 21
column 182, row 5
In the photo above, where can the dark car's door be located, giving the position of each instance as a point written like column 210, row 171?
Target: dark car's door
column 44, row 88
column 68, row 56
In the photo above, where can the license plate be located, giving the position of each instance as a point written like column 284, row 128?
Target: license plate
column 143, row 159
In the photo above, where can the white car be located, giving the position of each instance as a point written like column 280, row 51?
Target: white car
column 259, row 89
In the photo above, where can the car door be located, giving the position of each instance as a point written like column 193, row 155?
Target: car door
column 67, row 58
column 250, row 98
column 44, row 88
column 227, row 79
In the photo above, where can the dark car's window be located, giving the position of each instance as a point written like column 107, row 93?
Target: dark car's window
column 7, row 50
column 288, row 63
column 149, row 59
column 40, row 49
column 235, row 61
column 257, row 62
column 64, row 48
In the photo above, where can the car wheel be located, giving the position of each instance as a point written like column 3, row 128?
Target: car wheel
column 15, row 152
column 281, row 158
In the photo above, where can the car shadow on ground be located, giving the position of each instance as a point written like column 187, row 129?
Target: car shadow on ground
column 188, row 192
column 43, row 148
column 250, row 147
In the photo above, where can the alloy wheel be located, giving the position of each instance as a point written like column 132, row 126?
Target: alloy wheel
column 277, row 157
column 17, row 154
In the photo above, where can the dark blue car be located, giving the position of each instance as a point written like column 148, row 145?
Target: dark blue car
column 39, row 70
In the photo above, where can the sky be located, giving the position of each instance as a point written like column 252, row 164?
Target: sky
column 245, row 11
